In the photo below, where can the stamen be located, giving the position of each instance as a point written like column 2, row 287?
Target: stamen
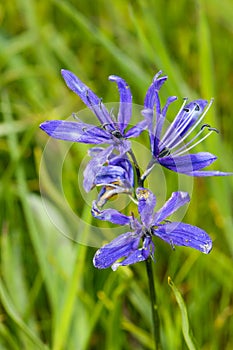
column 179, row 152
column 108, row 116
column 100, row 112
column 177, row 132
column 195, row 137
column 205, row 126
column 198, row 120
column 188, row 143
column 112, row 116
column 148, row 170
column 135, row 201
column 107, row 185
column 181, row 108
column 209, row 128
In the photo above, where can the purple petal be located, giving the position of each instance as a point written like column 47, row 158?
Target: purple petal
column 184, row 120
column 191, row 111
column 151, row 100
column 111, row 215
column 151, row 96
column 120, row 247
column 160, row 117
column 138, row 255
column 125, row 109
column 170, row 100
column 109, row 174
column 182, row 234
column 148, row 114
column 188, row 163
column 124, row 163
column 136, row 130
column 177, row 200
column 95, row 151
column 76, row 132
column 88, row 97
column 146, row 203
column 94, row 166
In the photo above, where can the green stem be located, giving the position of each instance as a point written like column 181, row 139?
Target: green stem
column 137, row 169
column 154, row 306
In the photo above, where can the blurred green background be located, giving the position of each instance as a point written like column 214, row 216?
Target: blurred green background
column 51, row 296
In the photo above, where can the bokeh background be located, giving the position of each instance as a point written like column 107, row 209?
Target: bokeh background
column 51, row 295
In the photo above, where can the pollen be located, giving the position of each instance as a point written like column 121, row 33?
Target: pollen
column 142, row 194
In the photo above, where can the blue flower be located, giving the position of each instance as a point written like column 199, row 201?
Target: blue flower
column 170, row 150
column 112, row 131
column 114, row 178
column 137, row 244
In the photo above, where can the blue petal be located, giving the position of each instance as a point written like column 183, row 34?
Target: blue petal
column 151, row 96
column 111, row 215
column 110, row 174
column 181, row 234
column 125, row 109
column 75, row 132
column 146, row 203
column 160, row 118
column 184, row 120
column 88, row 97
column 191, row 111
column 151, row 100
column 148, row 114
column 124, row 163
column 118, row 171
column 94, row 166
column 187, row 164
column 137, row 255
column 120, row 247
column 136, row 130
column 95, row 151
column 177, row 200
column 115, row 180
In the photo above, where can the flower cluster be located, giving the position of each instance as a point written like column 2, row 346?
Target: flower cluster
column 114, row 168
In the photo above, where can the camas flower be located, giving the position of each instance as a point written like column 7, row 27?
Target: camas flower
column 137, row 245
column 114, row 178
column 170, row 149
column 112, row 131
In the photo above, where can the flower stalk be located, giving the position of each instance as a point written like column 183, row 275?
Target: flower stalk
column 154, row 305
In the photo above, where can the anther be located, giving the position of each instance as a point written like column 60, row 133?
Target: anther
column 205, row 126
column 213, row 129
column 210, row 128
